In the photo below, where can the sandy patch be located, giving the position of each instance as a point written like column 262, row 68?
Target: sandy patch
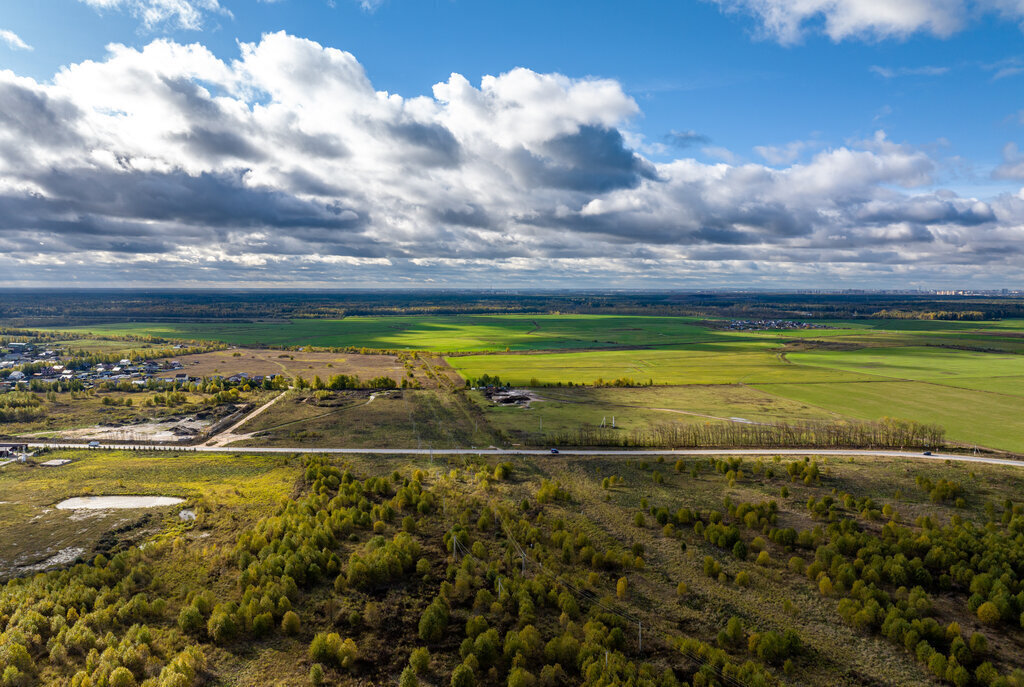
column 62, row 557
column 164, row 432
column 105, row 502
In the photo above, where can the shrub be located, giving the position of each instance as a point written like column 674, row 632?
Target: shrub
column 190, row 620
column 419, row 660
column 475, row 625
column 434, row 621
column 330, row 648
column 463, row 676
column 988, row 613
column 290, row 623
column 408, row 678
column 733, row 633
column 774, row 648
column 222, row 627
column 121, row 677
column 622, row 588
column 262, row 624
column 520, row 677
column 764, row 558
column 316, row 674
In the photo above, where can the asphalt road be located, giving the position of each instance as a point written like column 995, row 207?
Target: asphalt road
column 916, row 455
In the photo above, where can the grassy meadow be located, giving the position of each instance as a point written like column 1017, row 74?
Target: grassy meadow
column 229, row 486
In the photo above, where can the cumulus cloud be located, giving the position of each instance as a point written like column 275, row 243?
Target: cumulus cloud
column 286, row 165
column 13, row 40
column 183, row 14
column 787, row 21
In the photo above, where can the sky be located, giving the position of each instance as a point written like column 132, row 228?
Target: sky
column 690, row 144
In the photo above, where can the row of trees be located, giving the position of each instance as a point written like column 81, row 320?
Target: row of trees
column 886, row 433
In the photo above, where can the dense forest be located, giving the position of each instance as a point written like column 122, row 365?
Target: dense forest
column 47, row 308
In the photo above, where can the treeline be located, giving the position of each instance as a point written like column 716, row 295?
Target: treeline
column 206, row 385
column 486, row 380
column 341, row 382
column 954, row 315
column 886, row 433
column 20, row 406
column 42, row 308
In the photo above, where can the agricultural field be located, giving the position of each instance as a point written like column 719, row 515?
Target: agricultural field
column 360, row 570
column 963, row 375
column 969, row 417
column 305, row 364
column 739, row 362
column 443, row 333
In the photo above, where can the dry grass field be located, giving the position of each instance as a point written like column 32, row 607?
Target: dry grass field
column 254, row 361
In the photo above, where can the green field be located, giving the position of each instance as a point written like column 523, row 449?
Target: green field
column 734, row 362
column 986, row 419
column 446, row 333
column 518, row 332
column 940, row 365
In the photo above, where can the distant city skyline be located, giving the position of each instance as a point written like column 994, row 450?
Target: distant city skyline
column 388, row 143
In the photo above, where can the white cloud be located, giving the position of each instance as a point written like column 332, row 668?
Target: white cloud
column 894, row 72
column 1013, row 164
column 784, row 154
column 287, row 165
column 787, row 21
column 13, row 40
column 183, row 14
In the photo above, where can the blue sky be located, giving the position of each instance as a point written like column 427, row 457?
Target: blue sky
column 715, row 83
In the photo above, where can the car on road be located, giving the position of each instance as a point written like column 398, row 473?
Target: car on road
column 94, row 444
column 554, row 450
column 927, row 453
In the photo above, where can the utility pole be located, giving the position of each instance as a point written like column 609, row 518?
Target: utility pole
column 613, row 422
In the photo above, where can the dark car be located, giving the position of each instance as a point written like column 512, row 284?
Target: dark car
column 927, row 453
column 554, row 450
